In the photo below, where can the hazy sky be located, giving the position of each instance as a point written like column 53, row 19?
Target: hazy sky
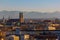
column 30, row 5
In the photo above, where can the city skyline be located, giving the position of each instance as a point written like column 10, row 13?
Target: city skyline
column 30, row 5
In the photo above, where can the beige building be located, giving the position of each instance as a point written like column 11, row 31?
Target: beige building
column 53, row 26
column 13, row 37
column 26, row 37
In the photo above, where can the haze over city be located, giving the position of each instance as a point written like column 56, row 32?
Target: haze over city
column 31, row 8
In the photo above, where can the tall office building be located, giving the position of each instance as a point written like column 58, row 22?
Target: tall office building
column 21, row 19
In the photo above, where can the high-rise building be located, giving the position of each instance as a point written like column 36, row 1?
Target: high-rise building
column 21, row 19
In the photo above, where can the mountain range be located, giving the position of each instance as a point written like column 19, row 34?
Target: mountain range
column 15, row 14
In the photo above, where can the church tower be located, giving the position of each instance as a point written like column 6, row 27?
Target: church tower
column 21, row 19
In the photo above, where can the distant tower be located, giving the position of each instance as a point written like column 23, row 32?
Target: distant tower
column 21, row 19
column 3, row 20
column 9, row 17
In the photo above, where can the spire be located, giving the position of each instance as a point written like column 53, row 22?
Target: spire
column 3, row 17
column 3, row 20
column 8, row 17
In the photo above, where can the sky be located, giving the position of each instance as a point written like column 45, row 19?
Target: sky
column 30, row 5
